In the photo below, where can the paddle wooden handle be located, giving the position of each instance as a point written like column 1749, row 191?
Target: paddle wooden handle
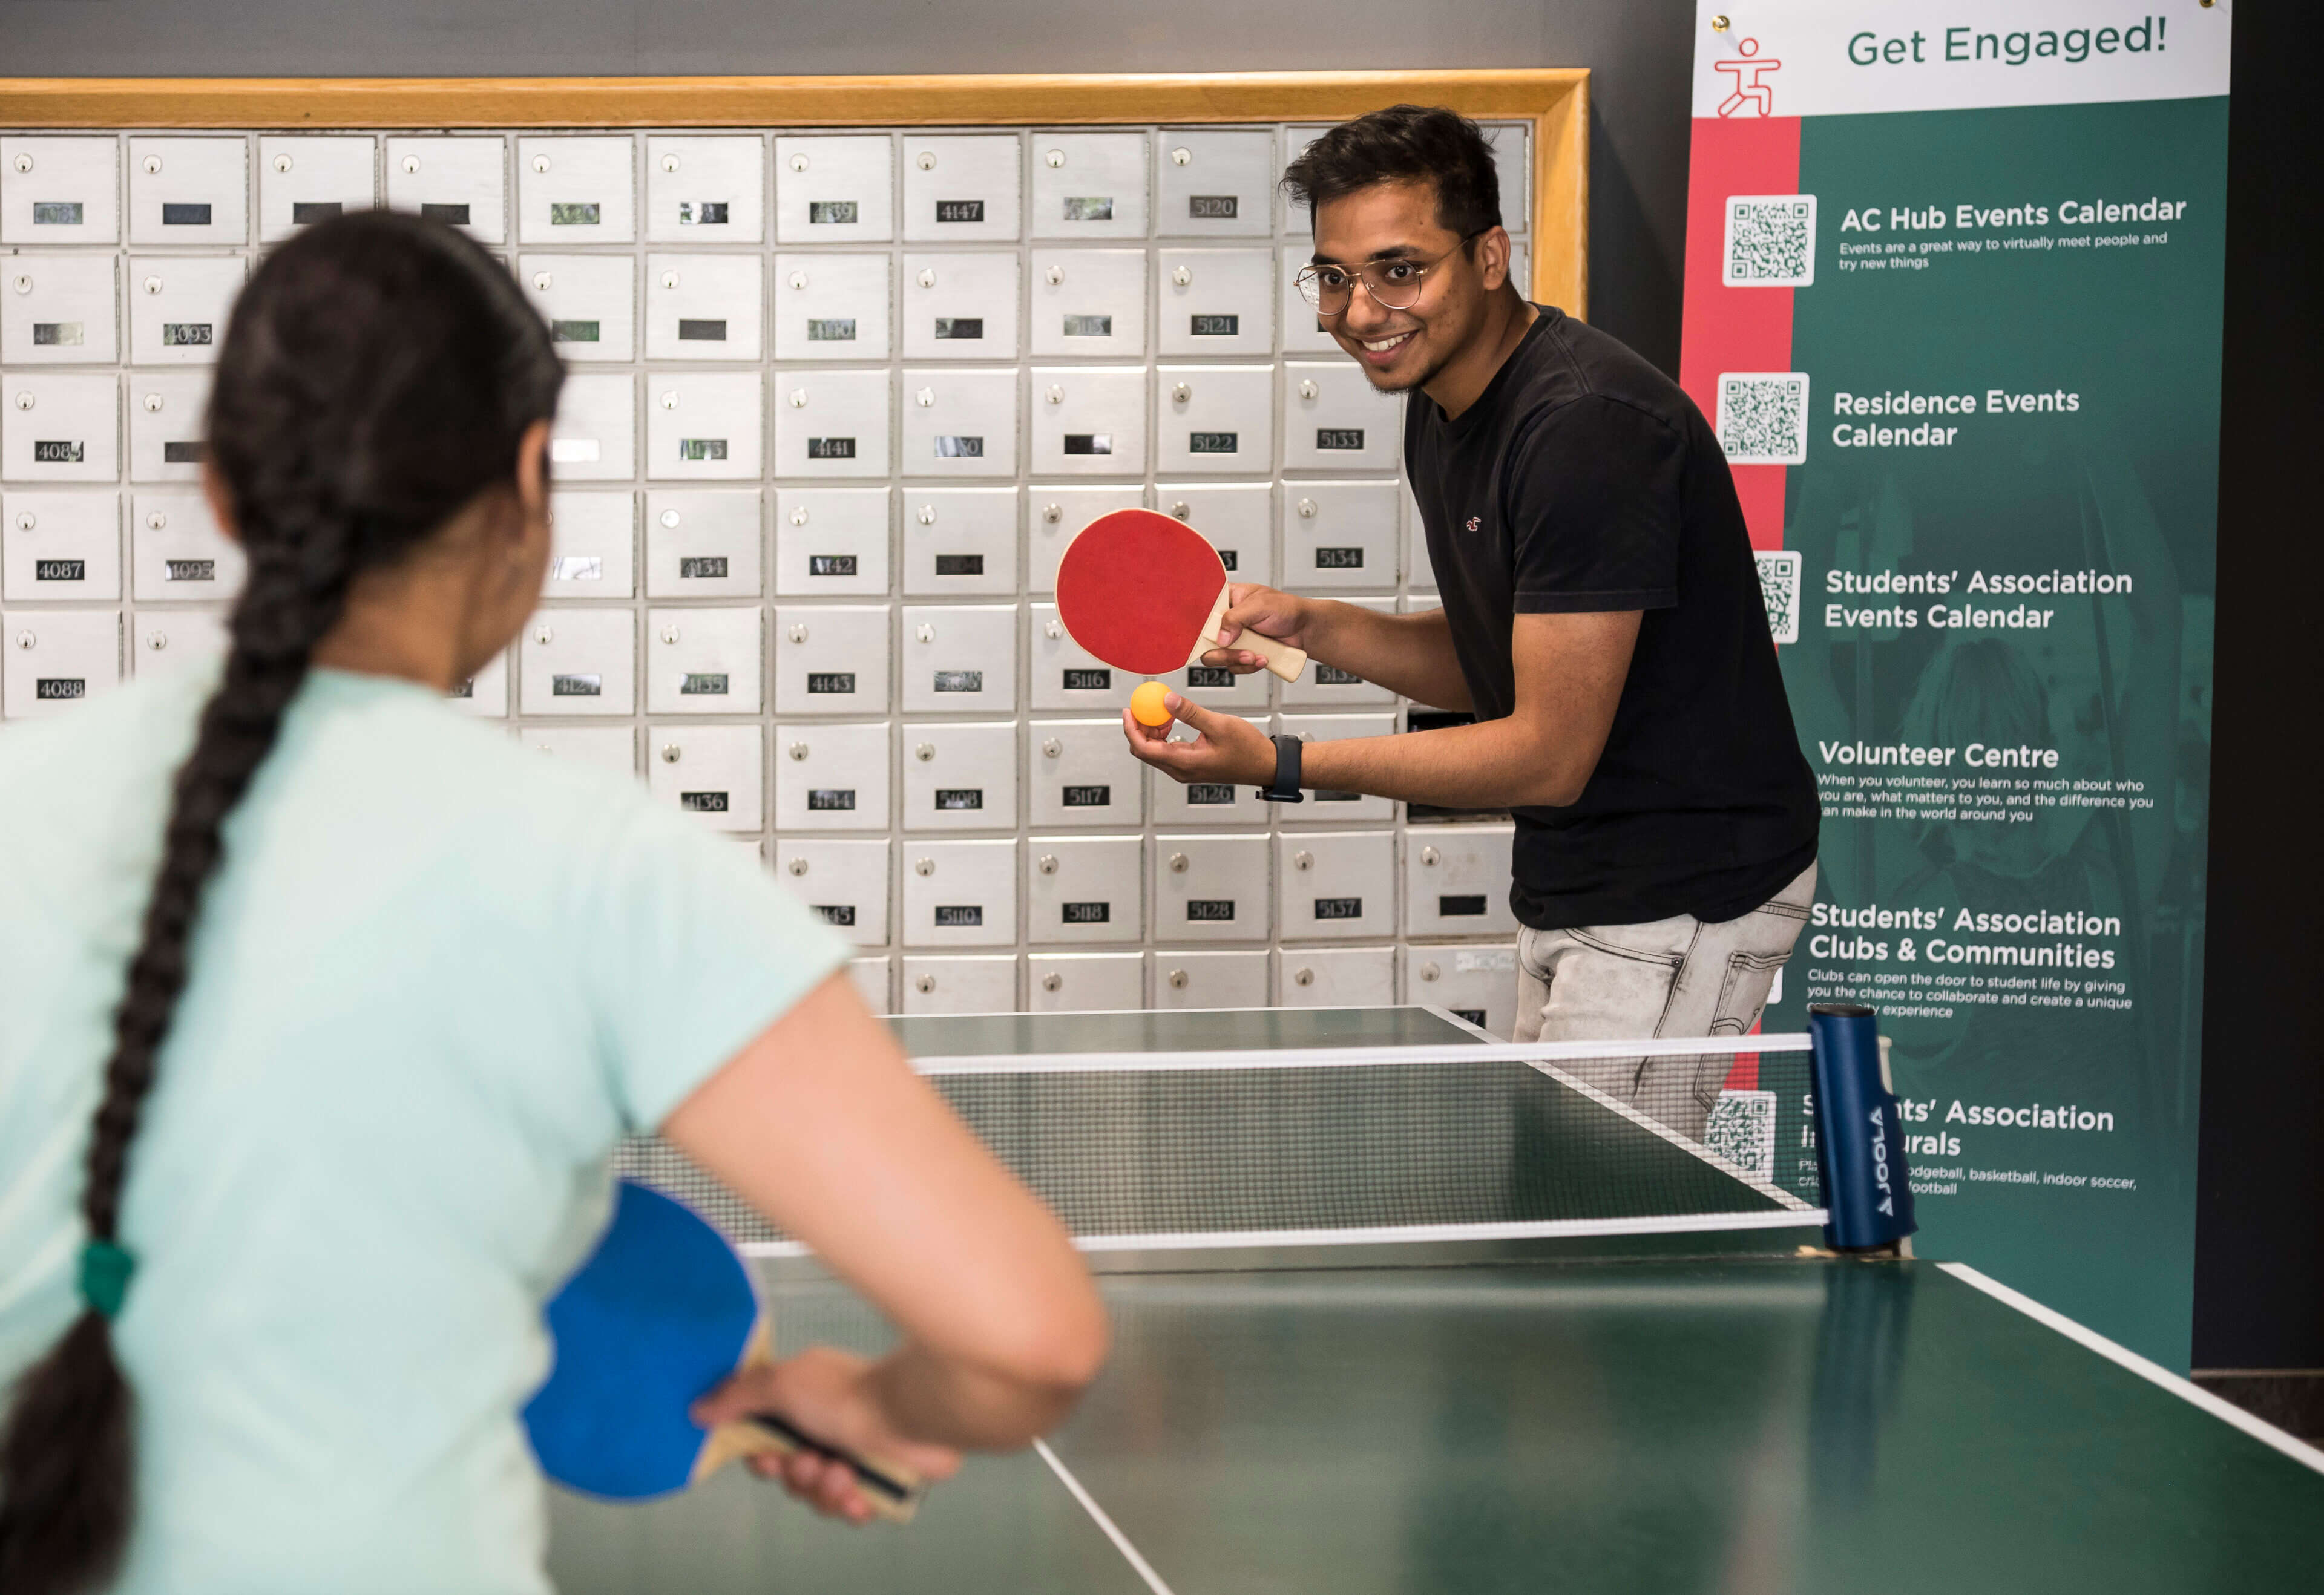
column 1281, row 658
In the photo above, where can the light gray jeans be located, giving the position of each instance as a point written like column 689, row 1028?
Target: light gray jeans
column 1667, row 977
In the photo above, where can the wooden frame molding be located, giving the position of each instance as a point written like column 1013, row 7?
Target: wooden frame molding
column 1555, row 100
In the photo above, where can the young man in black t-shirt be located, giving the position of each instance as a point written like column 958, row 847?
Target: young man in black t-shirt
column 1601, row 618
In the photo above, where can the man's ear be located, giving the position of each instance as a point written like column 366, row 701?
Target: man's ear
column 220, row 501
column 1493, row 251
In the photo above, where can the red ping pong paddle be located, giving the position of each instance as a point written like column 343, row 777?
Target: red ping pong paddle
column 1145, row 592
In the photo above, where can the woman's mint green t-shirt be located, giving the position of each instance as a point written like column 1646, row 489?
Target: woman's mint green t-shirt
column 437, row 977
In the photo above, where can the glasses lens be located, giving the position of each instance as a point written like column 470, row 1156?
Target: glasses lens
column 1327, row 290
column 1396, row 284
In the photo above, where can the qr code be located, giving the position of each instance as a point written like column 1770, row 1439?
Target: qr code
column 1770, row 241
column 1742, row 1130
column 1779, row 584
column 1763, row 416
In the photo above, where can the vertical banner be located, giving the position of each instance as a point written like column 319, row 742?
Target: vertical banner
column 1953, row 283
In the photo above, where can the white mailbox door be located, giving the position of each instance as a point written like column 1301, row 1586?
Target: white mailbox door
column 1065, row 676
column 1416, row 564
column 608, row 747
column 59, row 546
column 960, row 540
column 1237, row 518
column 1089, row 302
column 60, row 428
column 831, row 541
column 831, row 423
column 1340, row 535
column 716, row 772
column 1479, row 984
column 831, row 660
column 1334, row 419
column 189, row 191
column 165, row 425
column 60, row 190
column 962, row 187
column 703, row 661
column 1211, row 888
column 60, row 310
column 589, row 301
column 702, row 306
column 703, row 543
column 171, row 638
column 961, row 986
column 485, row 694
column 831, row 307
column 960, row 776
column 1085, row 982
column 706, row 190
column 960, row 894
column 580, row 661
column 55, row 658
column 836, row 189
column 1324, row 804
column 1216, row 184
column 1058, row 513
column 1081, row 772
column 1456, row 881
column 1217, row 301
column 873, row 979
column 178, row 306
column 960, row 658
column 831, row 778
column 1336, row 885
column 1217, row 686
column 960, row 307
column 593, row 537
column 1215, row 420
column 1088, row 185
column 1192, row 980
column 1323, row 687
column 1089, row 421
column 1304, row 332
column 705, row 425
column 1207, row 803
column 1084, row 888
column 462, row 182
column 960, row 423
column 595, row 438
column 306, row 179
column 576, row 191
column 1335, row 977
column 177, row 551
column 842, row 883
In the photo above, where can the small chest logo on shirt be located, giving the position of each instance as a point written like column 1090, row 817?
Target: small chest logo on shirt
column 1475, row 522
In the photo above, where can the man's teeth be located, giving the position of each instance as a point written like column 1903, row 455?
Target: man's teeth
column 1386, row 343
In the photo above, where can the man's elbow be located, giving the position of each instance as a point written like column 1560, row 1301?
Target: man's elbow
column 1558, row 783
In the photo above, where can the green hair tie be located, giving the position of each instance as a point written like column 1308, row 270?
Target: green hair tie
column 105, row 1271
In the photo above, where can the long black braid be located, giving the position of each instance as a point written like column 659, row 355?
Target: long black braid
column 376, row 378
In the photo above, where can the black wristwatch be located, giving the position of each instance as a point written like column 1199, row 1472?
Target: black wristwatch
column 1285, row 789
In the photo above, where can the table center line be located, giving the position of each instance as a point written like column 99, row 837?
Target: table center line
column 1139, row 1564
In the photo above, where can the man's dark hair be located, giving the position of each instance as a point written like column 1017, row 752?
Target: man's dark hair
column 1405, row 144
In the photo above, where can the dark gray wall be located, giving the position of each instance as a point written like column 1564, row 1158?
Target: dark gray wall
column 1637, row 50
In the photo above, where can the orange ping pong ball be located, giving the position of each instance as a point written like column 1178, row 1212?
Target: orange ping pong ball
column 1146, row 705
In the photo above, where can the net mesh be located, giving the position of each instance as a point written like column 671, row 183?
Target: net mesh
column 1323, row 1145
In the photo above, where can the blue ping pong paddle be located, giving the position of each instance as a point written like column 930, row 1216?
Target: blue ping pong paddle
column 659, row 1315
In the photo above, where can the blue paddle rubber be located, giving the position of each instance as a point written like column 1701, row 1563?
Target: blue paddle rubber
column 657, row 1317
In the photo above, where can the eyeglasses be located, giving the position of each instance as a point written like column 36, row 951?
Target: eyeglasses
column 1394, row 281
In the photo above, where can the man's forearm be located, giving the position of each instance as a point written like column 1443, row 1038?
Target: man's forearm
column 1409, row 654
column 1495, row 764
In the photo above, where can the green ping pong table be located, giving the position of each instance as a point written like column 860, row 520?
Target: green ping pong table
column 1716, row 1410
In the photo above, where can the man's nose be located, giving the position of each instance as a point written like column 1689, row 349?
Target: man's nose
column 1364, row 314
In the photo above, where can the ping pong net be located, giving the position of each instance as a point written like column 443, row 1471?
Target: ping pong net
column 1607, row 1147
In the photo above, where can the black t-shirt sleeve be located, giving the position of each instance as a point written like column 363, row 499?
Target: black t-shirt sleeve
column 1594, row 510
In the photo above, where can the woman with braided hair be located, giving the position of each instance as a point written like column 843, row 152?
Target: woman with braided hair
column 322, row 1008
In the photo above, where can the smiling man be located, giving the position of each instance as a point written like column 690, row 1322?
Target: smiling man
column 1602, row 619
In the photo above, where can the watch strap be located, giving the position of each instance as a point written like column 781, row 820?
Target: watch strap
column 1285, row 788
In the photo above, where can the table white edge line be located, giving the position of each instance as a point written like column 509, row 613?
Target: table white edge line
column 1346, row 1057
column 1733, row 1171
column 2227, row 1412
column 1398, row 1234
column 1139, row 1564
